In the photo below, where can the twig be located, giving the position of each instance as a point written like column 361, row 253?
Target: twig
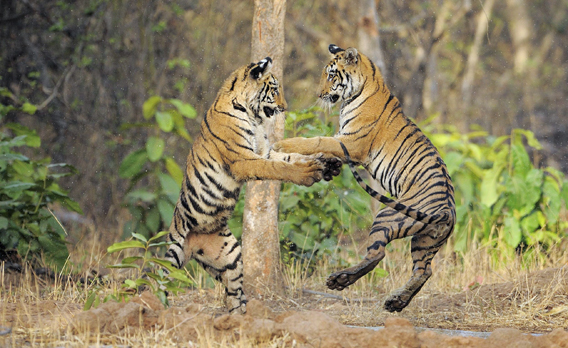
column 14, row 18
column 54, row 92
column 58, row 222
column 325, row 294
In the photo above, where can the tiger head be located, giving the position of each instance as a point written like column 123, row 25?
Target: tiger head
column 342, row 76
column 255, row 86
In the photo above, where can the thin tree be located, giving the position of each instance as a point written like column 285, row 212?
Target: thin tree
column 260, row 239
column 473, row 58
column 370, row 44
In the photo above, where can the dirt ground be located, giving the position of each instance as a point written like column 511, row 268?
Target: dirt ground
column 536, row 303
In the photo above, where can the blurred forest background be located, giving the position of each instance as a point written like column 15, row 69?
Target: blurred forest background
column 89, row 66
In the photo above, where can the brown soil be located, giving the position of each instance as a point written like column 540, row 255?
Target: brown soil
column 313, row 320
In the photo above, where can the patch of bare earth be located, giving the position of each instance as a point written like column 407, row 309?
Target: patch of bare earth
column 536, row 302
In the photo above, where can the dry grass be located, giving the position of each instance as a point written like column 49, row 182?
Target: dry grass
column 505, row 290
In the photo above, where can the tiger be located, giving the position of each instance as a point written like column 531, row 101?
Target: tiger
column 374, row 132
column 232, row 148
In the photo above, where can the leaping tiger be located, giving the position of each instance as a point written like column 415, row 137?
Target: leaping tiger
column 232, row 148
column 395, row 152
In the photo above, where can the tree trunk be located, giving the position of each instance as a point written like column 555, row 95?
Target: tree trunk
column 368, row 33
column 261, row 240
column 414, row 92
column 473, row 58
column 370, row 44
column 520, row 29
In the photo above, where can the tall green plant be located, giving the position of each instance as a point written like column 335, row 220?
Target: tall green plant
column 27, row 189
column 152, row 206
column 500, row 193
column 149, row 273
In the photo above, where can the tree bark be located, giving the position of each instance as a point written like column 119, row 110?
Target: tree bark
column 520, row 29
column 413, row 99
column 261, row 240
column 368, row 33
column 370, row 44
column 473, row 58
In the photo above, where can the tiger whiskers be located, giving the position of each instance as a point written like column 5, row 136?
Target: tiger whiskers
column 325, row 104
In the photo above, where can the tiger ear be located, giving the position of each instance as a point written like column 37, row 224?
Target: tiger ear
column 351, row 55
column 334, row 49
column 261, row 68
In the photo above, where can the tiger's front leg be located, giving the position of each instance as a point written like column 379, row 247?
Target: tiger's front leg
column 332, row 165
column 329, row 146
column 220, row 255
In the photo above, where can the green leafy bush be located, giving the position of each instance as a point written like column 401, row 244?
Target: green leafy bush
column 27, row 189
column 312, row 218
column 500, row 194
column 149, row 272
column 152, row 206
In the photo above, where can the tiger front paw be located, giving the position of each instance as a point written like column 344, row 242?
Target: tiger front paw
column 332, row 167
column 308, row 171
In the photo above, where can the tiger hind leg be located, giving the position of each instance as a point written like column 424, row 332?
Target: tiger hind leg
column 220, row 255
column 379, row 237
column 424, row 247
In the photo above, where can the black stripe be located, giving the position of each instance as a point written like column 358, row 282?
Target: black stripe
column 235, row 245
column 175, row 256
column 349, row 120
column 213, row 134
column 210, row 193
column 376, row 245
column 238, row 106
column 372, row 67
column 236, row 278
column 248, row 131
column 233, row 265
column 245, row 147
column 196, row 206
column 183, row 202
column 199, row 177
column 355, row 96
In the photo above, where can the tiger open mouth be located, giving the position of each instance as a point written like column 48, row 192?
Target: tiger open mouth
column 268, row 111
column 330, row 98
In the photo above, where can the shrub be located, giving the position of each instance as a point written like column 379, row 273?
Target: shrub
column 149, row 272
column 500, row 193
column 27, row 189
column 152, row 206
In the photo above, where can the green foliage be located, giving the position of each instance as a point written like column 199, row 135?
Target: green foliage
column 312, row 218
column 152, row 207
column 500, row 194
column 149, row 272
column 27, row 188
